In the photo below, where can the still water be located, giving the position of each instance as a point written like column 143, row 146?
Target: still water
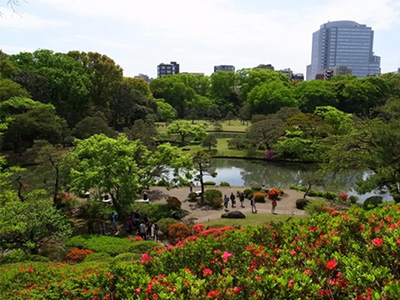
column 240, row 172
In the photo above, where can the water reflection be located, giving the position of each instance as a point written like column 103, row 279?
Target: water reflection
column 240, row 172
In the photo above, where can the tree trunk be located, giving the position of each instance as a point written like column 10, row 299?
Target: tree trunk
column 21, row 198
column 56, row 185
column 202, row 185
column 116, row 205
column 308, row 188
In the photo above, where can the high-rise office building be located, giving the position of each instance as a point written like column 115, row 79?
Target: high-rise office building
column 343, row 44
column 167, row 69
column 224, row 68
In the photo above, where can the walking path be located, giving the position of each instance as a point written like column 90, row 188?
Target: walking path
column 287, row 204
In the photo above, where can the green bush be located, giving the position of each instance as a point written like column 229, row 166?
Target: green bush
column 247, row 192
column 209, row 183
column 142, row 246
column 19, row 256
column 216, row 203
column 372, row 202
column 316, row 207
column 97, row 256
column 192, row 197
column 329, row 195
column 163, row 224
column 128, row 257
column 256, row 188
column 210, row 195
column 100, row 243
column 312, row 193
column 223, row 183
column 302, row 203
column 353, row 199
column 259, row 197
column 294, row 187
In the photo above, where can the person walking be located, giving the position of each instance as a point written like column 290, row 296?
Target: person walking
column 241, row 198
column 191, row 186
column 142, row 230
column 253, row 205
column 155, row 231
column 113, row 219
column 102, row 226
column 273, row 203
column 233, row 199
column 226, row 201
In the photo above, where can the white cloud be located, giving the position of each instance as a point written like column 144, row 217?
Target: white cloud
column 21, row 20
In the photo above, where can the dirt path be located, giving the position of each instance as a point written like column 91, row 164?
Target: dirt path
column 287, row 204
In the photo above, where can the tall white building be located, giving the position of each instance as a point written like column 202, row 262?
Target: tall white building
column 343, row 44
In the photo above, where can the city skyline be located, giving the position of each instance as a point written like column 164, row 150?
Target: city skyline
column 196, row 34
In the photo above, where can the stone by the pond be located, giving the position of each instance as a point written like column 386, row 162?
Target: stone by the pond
column 233, row 215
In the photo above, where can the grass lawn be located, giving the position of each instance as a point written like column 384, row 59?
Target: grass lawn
column 253, row 220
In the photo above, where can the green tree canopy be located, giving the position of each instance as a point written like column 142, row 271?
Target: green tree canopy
column 23, row 225
column 9, row 89
column 122, row 168
column 310, row 94
column 185, row 129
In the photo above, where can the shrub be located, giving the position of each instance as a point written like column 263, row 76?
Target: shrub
column 259, row 197
column 197, row 228
column 210, row 195
column 343, row 197
column 312, row 193
column 372, row 202
column 142, row 246
column 78, row 255
column 247, row 192
column 216, row 203
column 192, row 197
column 174, row 202
column 163, row 224
column 209, row 183
column 178, row 232
column 223, row 183
column 316, row 207
column 256, row 188
column 97, row 256
column 302, row 203
column 274, row 194
column 18, row 255
column 353, row 199
column 294, row 187
column 329, row 195
column 128, row 257
column 100, row 243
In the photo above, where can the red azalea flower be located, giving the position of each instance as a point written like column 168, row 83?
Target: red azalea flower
column 207, row 272
column 377, row 242
column 308, row 272
column 226, row 255
column 237, row 289
column 145, row 258
column 137, row 291
column 331, row 264
column 293, row 252
column 212, row 294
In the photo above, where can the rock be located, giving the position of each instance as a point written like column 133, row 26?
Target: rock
column 233, row 215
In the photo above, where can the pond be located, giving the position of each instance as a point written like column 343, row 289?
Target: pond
column 241, row 172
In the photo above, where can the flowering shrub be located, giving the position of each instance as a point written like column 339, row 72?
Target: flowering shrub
column 78, row 255
column 343, row 197
column 352, row 255
column 274, row 194
column 178, row 232
column 259, row 197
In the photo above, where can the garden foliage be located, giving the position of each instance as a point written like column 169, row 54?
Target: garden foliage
column 352, row 255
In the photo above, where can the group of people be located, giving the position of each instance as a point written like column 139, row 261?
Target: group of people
column 134, row 224
column 142, row 227
column 232, row 198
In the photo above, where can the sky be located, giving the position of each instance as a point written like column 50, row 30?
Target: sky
column 198, row 34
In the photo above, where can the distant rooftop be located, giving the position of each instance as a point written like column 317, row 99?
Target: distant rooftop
column 341, row 24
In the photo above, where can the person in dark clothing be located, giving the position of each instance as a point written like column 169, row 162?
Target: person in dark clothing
column 233, row 200
column 90, row 226
column 241, row 198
